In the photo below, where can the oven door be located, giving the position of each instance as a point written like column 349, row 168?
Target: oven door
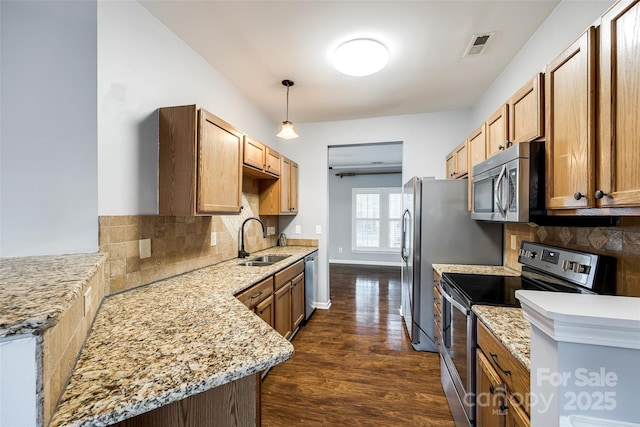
column 485, row 185
column 458, row 354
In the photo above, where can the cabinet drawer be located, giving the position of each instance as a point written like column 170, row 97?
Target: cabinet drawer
column 512, row 372
column 256, row 293
column 288, row 273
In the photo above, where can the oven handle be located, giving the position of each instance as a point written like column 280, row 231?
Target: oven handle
column 454, row 303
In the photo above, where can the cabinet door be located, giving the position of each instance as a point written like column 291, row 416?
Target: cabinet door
column 450, row 165
column 570, row 149
column 461, row 160
column 476, row 147
column 490, row 395
column 254, row 153
column 219, row 166
column 273, row 162
column 282, row 308
column 619, row 144
column 265, row 310
column 297, row 300
column 516, row 417
column 526, row 112
column 293, row 189
column 285, row 185
column 497, row 131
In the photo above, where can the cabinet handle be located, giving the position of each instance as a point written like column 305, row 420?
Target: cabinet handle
column 600, row 194
column 578, row 195
column 494, row 357
column 257, row 295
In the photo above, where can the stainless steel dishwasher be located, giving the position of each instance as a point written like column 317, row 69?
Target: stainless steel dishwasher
column 310, row 283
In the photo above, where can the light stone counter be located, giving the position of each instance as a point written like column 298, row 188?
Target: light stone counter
column 35, row 291
column 497, row 270
column 510, row 327
column 160, row 343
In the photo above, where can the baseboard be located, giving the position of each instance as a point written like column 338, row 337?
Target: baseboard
column 360, row 262
column 323, row 305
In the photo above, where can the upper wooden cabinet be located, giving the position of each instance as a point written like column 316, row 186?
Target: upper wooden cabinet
column 476, row 147
column 200, row 163
column 526, row 111
column 456, row 166
column 497, row 128
column 280, row 197
column 259, row 160
column 618, row 179
column 570, row 130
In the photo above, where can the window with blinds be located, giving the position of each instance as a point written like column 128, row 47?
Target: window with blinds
column 376, row 219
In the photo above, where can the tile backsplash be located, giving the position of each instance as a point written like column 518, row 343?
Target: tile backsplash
column 621, row 242
column 179, row 244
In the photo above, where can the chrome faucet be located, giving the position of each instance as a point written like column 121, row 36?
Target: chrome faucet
column 243, row 253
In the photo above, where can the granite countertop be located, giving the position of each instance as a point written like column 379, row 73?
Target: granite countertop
column 510, row 327
column 160, row 343
column 497, row 270
column 35, row 291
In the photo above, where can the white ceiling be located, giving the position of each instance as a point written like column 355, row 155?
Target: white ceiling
column 257, row 44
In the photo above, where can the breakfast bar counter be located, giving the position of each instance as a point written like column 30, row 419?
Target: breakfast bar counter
column 160, row 343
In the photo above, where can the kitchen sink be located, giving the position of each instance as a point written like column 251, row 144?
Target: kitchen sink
column 270, row 258
column 255, row 263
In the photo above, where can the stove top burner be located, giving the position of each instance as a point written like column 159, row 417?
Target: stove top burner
column 497, row 290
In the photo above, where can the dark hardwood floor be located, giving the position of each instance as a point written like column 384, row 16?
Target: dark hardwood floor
column 354, row 365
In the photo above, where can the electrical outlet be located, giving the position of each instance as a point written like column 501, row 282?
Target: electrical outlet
column 87, row 302
column 339, row 250
column 145, row 248
column 514, row 242
column 271, row 231
column 298, row 229
column 318, row 229
column 213, row 238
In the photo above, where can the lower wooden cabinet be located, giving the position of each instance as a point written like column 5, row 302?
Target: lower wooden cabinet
column 502, row 384
column 282, row 308
column 279, row 299
column 491, row 400
column 265, row 310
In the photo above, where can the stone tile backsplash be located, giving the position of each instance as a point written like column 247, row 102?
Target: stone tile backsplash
column 622, row 243
column 179, row 244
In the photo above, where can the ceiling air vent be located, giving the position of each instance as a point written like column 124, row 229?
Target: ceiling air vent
column 478, row 44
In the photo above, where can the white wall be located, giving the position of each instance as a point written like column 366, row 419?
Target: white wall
column 18, row 394
column 143, row 66
column 567, row 21
column 49, row 190
column 426, row 139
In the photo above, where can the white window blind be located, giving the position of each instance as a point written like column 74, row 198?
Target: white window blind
column 376, row 219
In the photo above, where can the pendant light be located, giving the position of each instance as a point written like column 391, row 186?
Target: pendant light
column 287, row 131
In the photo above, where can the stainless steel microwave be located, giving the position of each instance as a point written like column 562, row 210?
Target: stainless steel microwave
column 509, row 186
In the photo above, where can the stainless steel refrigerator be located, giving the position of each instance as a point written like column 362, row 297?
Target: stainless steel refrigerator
column 437, row 229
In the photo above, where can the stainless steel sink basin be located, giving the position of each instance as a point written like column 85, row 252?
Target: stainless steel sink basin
column 255, row 263
column 270, row 258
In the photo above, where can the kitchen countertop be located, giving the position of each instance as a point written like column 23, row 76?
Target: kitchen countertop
column 510, row 327
column 497, row 270
column 163, row 342
column 35, row 291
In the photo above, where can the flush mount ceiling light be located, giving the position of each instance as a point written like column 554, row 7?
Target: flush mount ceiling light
column 287, row 131
column 360, row 57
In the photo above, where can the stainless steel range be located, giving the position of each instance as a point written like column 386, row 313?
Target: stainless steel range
column 545, row 268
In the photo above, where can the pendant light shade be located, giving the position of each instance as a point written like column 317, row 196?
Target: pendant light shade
column 287, row 131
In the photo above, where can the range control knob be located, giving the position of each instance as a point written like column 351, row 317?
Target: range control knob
column 580, row 268
column 527, row 254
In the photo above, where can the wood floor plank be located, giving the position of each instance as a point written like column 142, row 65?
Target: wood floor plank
column 354, row 365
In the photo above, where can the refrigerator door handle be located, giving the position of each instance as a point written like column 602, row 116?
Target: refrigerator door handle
column 403, row 248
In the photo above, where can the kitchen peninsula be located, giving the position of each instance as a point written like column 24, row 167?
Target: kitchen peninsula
column 173, row 339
